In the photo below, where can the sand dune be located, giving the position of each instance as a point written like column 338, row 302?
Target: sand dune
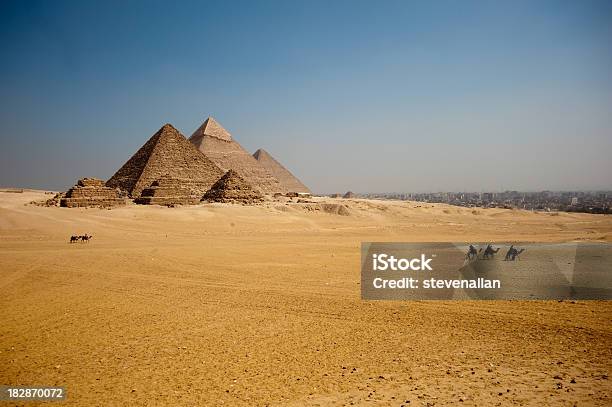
column 222, row 304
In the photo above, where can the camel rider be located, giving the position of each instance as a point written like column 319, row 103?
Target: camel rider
column 509, row 253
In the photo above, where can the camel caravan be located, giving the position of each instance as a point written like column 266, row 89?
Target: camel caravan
column 489, row 252
column 83, row 238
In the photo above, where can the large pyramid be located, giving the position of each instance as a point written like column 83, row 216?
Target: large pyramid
column 167, row 153
column 288, row 181
column 232, row 188
column 218, row 145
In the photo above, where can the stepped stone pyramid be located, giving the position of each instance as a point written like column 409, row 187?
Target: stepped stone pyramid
column 287, row 180
column 91, row 192
column 167, row 191
column 218, row 145
column 169, row 153
column 233, row 188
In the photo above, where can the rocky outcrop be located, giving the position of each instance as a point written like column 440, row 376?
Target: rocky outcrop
column 55, row 201
column 233, row 188
column 335, row 209
column 92, row 192
column 330, row 208
column 167, row 191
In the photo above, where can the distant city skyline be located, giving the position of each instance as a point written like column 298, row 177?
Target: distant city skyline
column 598, row 202
column 576, row 191
column 416, row 96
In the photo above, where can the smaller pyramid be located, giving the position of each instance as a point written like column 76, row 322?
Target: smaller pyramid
column 91, row 192
column 287, row 180
column 349, row 194
column 167, row 191
column 232, row 188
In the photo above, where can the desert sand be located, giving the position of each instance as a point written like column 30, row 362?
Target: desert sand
column 221, row 304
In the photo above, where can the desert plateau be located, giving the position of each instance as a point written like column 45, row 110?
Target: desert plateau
column 229, row 304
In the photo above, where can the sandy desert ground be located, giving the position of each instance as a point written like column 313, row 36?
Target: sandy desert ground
column 234, row 305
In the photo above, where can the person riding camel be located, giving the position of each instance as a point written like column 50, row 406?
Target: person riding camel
column 509, row 253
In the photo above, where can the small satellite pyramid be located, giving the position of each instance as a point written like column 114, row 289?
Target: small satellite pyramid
column 91, row 192
column 166, row 153
column 232, row 188
column 218, row 145
column 167, row 191
column 287, row 180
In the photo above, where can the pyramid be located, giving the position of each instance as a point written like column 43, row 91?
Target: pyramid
column 232, row 188
column 167, row 152
column 218, row 145
column 287, row 180
column 167, row 191
column 91, row 192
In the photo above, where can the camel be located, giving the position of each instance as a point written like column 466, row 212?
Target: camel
column 472, row 253
column 517, row 254
column 489, row 252
column 513, row 254
column 83, row 238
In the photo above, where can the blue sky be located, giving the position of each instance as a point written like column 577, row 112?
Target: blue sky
column 367, row 96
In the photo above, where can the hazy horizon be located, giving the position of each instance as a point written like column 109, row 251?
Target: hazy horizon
column 405, row 96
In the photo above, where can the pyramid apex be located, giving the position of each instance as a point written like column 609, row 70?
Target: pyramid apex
column 167, row 127
column 212, row 128
column 261, row 153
